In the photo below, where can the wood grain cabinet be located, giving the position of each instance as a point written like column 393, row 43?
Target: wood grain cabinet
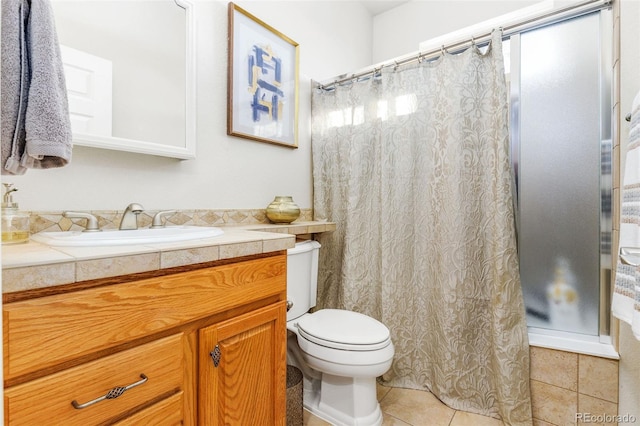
column 203, row 346
column 241, row 369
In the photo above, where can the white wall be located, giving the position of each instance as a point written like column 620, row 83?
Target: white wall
column 228, row 172
column 399, row 31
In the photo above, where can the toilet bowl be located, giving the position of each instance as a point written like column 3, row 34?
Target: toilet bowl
column 339, row 352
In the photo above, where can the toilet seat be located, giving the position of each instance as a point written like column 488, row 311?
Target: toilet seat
column 344, row 330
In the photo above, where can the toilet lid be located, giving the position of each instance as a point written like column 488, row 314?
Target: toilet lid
column 342, row 329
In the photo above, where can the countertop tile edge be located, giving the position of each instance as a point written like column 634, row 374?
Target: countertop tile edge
column 51, row 266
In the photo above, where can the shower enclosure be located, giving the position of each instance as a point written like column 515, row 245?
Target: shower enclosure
column 560, row 79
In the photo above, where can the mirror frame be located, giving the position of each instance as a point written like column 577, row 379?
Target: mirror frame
column 155, row 148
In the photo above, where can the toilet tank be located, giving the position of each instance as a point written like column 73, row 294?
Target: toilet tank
column 302, row 277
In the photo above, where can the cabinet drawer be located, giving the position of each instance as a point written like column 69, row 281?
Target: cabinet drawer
column 48, row 400
column 48, row 331
column 167, row 412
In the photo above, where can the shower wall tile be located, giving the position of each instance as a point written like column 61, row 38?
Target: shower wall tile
column 565, row 384
column 598, row 377
column 615, row 211
column 553, row 404
column 556, row 368
column 616, row 47
column 616, row 182
column 597, row 407
column 615, row 83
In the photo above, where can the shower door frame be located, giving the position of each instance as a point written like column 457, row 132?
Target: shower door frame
column 606, row 130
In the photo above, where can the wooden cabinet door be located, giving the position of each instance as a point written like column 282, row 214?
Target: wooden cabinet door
column 242, row 365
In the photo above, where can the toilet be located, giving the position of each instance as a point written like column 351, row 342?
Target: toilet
column 339, row 352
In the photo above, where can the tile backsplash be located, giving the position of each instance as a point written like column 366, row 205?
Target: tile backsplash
column 54, row 221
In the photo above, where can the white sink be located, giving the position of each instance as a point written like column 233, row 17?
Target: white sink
column 115, row 237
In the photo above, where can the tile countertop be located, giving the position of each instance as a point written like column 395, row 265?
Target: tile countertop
column 33, row 265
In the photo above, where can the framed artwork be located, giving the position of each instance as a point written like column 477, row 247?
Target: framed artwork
column 262, row 84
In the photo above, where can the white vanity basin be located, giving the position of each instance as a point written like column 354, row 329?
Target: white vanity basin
column 115, row 237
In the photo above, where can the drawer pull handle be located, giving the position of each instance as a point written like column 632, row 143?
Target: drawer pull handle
column 112, row 394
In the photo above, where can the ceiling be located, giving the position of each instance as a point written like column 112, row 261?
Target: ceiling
column 376, row 7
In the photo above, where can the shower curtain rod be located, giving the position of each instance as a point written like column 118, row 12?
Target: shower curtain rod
column 511, row 29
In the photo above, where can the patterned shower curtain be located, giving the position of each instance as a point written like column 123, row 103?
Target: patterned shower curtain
column 414, row 169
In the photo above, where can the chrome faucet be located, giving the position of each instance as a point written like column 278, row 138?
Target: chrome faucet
column 92, row 221
column 157, row 219
column 130, row 216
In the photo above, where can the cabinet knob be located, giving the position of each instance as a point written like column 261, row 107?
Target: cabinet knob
column 215, row 355
column 289, row 305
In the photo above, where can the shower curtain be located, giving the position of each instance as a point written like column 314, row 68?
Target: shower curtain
column 414, row 168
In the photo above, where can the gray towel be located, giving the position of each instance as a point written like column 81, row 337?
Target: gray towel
column 36, row 130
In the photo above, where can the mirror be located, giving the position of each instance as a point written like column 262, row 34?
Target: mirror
column 130, row 73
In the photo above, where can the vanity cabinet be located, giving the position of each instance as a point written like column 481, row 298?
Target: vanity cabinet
column 142, row 347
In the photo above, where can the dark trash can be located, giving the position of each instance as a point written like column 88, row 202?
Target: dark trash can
column 294, row 396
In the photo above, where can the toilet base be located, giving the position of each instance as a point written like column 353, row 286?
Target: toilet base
column 343, row 401
column 339, row 399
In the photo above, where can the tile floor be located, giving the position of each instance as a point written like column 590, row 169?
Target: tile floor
column 407, row 407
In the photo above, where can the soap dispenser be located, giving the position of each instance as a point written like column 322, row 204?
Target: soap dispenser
column 15, row 224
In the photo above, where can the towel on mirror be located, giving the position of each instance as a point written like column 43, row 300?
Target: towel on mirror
column 626, row 295
column 36, row 129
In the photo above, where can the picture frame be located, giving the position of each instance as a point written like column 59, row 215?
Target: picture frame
column 262, row 81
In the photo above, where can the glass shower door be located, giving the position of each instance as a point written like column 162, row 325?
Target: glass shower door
column 561, row 142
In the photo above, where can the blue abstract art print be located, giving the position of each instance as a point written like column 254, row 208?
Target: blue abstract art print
column 262, row 81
